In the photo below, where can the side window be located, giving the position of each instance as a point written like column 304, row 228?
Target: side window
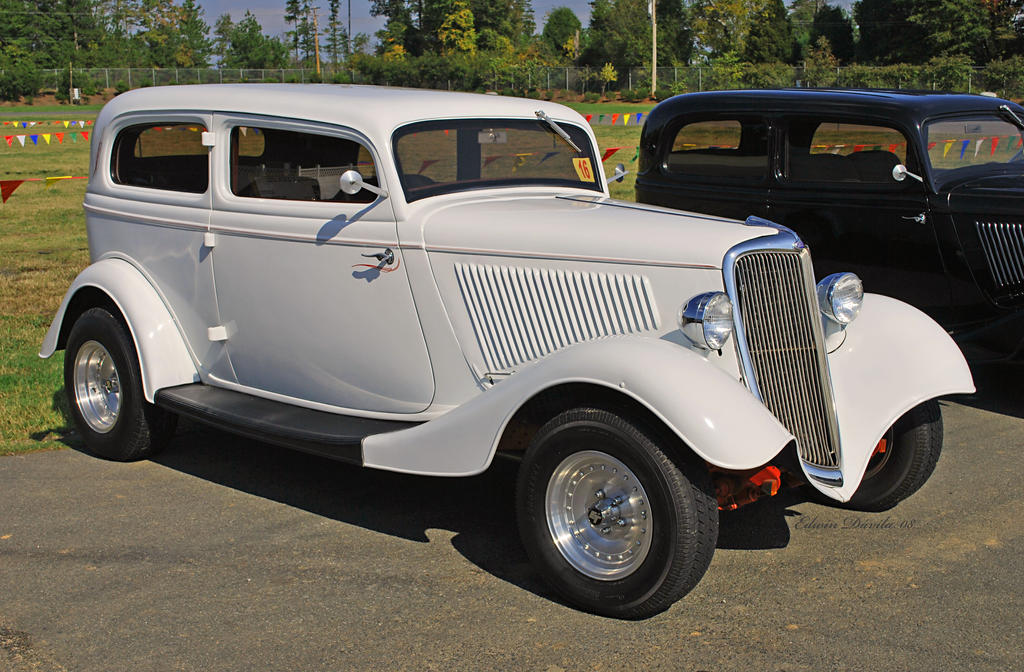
column 729, row 148
column 843, row 152
column 295, row 166
column 167, row 156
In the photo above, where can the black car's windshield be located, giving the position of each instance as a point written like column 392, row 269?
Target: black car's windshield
column 965, row 143
column 439, row 157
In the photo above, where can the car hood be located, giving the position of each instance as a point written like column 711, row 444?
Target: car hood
column 585, row 228
column 992, row 195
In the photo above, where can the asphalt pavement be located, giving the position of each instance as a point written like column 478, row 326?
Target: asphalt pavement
column 224, row 554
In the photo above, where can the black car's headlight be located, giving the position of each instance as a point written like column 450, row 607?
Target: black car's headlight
column 840, row 296
column 706, row 319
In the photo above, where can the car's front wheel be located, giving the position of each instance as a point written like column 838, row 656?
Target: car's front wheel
column 903, row 460
column 613, row 523
column 104, row 390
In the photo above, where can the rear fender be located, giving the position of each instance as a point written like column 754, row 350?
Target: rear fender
column 714, row 414
column 163, row 358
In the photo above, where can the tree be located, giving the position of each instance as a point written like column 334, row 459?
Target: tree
column 561, row 26
column 833, row 24
column 337, row 36
column 886, row 34
column 248, row 47
column 721, row 26
column 962, row 27
column 607, row 75
column 456, row 33
column 675, row 36
column 770, row 38
column 820, row 64
column 194, row 47
column 619, row 32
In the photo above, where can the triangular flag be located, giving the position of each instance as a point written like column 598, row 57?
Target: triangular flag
column 639, row 115
column 625, row 120
column 85, row 134
column 35, row 139
column 549, row 155
column 977, row 146
column 244, row 130
column 931, row 145
column 24, row 124
column 9, row 139
column 66, row 124
column 589, row 117
column 46, row 136
column 964, row 148
column 60, row 137
column 615, row 116
column 995, row 143
column 858, row 148
column 636, row 154
column 32, row 123
column 21, row 139
column 608, row 152
column 426, row 164
column 600, row 118
column 945, row 150
column 7, row 188
column 488, row 160
column 51, row 180
column 892, row 148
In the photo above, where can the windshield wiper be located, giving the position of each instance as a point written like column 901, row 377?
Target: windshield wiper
column 1012, row 115
column 543, row 116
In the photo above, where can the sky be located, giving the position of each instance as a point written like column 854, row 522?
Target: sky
column 271, row 14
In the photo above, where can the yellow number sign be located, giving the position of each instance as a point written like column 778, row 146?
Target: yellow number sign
column 583, row 169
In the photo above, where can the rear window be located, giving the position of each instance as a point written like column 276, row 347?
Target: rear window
column 720, row 148
column 168, row 156
column 843, row 152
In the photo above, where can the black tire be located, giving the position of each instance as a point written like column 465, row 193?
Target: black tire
column 913, row 446
column 131, row 428
column 680, row 510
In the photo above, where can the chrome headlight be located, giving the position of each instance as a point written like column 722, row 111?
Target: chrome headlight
column 706, row 319
column 840, row 296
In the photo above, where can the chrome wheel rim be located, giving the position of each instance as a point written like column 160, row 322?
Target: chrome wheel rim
column 598, row 515
column 97, row 387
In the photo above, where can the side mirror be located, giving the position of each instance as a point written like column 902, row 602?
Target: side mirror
column 351, row 182
column 620, row 172
column 900, row 173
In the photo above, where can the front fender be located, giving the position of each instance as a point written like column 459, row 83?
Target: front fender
column 163, row 358
column 715, row 415
column 894, row 358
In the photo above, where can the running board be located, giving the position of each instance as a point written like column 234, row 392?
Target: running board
column 338, row 437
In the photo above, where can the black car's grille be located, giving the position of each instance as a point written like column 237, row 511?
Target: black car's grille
column 1004, row 252
column 778, row 310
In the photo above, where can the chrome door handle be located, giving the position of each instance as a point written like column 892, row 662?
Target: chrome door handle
column 920, row 219
column 387, row 257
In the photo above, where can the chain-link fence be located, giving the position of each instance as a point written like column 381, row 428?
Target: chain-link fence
column 1005, row 78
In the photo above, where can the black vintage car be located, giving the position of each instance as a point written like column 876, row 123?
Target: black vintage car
column 921, row 194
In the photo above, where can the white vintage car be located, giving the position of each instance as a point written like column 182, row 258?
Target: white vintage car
column 418, row 280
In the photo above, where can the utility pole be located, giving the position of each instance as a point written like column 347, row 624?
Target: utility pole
column 71, row 85
column 316, row 39
column 654, row 46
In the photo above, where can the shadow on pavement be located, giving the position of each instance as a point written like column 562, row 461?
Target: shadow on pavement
column 1000, row 389
column 480, row 510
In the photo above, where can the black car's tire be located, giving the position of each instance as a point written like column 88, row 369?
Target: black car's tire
column 913, row 446
column 642, row 528
column 104, row 390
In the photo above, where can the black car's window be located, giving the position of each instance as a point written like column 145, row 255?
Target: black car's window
column 843, row 152
column 168, row 156
column 729, row 148
column 295, row 166
column 954, row 144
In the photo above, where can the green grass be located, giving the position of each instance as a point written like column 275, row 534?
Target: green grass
column 62, row 111
column 43, row 247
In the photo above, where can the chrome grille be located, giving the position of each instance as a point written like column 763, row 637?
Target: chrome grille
column 781, row 335
column 1004, row 251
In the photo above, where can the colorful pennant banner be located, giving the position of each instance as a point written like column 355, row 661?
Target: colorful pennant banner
column 47, row 138
column 8, row 187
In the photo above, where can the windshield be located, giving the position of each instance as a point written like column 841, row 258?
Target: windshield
column 959, row 145
column 440, row 157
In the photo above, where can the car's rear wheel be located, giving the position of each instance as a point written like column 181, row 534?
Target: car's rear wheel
column 903, row 460
column 612, row 522
column 104, row 390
